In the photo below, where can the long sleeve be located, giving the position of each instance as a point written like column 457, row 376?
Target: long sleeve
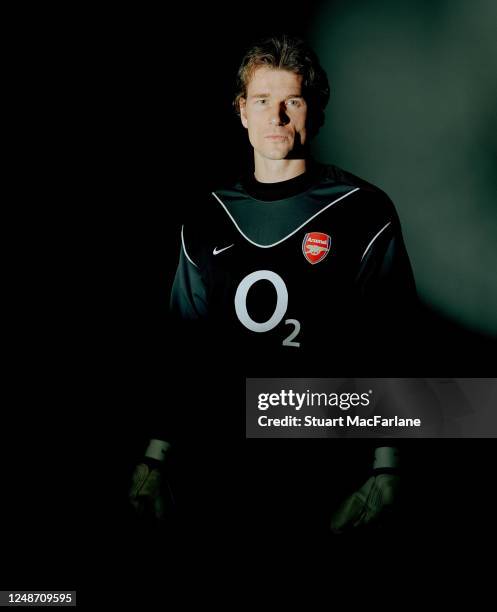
column 387, row 304
column 189, row 293
column 185, row 325
column 385, row 275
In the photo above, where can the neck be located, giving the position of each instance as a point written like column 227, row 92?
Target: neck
column 277, row 170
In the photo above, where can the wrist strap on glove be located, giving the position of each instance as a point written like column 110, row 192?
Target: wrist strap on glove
column 157, row 450
column 386, row 458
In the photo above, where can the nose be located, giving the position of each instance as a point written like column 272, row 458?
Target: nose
column 278, row 115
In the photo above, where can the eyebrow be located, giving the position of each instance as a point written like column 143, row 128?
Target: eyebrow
column 267, row 95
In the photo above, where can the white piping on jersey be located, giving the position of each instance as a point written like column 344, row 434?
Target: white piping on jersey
column 184, row 248
column 369, row 245
column 267, row 246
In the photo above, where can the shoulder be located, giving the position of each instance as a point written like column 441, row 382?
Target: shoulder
column 207, row 210
column 332, row 173
column 204, row 224
column 203, row 203
column 372, row 202
column 336, row 174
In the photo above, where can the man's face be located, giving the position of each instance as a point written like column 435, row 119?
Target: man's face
column 275, row 113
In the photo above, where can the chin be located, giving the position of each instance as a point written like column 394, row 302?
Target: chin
column 276, row 153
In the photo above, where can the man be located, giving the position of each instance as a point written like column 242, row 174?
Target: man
column 299, row 267
column 321, row 243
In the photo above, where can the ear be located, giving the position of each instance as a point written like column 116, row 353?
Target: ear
column 243, row 112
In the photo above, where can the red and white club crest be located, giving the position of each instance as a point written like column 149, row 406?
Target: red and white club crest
column 316, row 246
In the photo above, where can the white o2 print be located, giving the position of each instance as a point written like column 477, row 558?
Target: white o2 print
column 279, row 312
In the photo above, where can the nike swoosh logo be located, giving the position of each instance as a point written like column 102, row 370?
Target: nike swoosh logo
column 216, row 251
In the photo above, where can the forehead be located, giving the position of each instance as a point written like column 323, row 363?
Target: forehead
column 274, row 80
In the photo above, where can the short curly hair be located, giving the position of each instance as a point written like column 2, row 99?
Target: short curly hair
column 291, row 53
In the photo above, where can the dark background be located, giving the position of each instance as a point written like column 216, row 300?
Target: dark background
column 120, row 119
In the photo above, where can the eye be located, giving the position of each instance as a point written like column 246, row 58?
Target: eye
column 261, row 101
column 294, row 102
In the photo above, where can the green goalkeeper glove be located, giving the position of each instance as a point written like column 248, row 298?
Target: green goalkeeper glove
column 376, row 501
column 149, row 493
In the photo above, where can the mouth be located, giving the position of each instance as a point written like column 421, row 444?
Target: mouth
column 275, row 137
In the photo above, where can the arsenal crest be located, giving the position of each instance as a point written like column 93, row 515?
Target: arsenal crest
column 316, row 246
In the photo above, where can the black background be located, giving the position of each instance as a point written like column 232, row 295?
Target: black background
column 120, row 119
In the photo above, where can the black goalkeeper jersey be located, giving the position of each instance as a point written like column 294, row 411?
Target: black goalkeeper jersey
column 310, row 270
column 295, row 278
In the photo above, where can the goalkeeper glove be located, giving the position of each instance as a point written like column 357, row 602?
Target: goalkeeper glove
column 149, row 492
column 376, row 500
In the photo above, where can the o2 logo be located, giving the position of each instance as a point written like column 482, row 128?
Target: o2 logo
column 279, row 312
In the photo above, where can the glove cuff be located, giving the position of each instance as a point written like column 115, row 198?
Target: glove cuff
column 157, row 450
column 386, row 458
